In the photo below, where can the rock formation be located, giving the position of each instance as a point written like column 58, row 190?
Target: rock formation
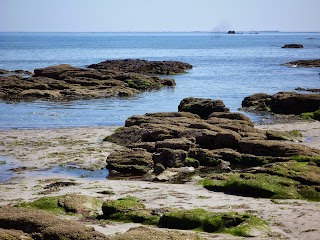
column 162, row 141
column 282, row 102
column 314, row 63
column 292, row 46
column 121, row 78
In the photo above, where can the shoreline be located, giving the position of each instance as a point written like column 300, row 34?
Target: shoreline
column 83, row 146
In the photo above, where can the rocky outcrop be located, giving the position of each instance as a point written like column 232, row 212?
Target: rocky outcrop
column 64, row 82
column 183, row 139
column 314, row 63
column 283, row 103
column 41, row 225
column 202, row 107
column 143, row 66
column 292, row 46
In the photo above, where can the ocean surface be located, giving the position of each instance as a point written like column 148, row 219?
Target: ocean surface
column 226, row 67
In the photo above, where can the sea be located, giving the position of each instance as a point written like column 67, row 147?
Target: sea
column 228, row 67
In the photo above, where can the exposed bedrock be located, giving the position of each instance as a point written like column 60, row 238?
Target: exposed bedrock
column 183, row 139
column 64, row 82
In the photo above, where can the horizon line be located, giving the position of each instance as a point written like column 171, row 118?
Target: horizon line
column 195, row 31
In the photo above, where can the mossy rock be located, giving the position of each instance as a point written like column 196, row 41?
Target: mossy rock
column 49, row 204
column 310, row 159
column 202, row 220
column 42, row 225
column 306, row 173
column 70, row 203
column 311, row 115
column 261, row 185
column 128, row 209
column 293, row 135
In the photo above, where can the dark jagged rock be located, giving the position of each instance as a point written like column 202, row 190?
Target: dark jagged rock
column 283, row 103
column 42, row 225
column 293, row 46
column 314, row 63
column 182, row 139
column 143, row 66
column 202, row 107
column 64, row 82
column 231, row 32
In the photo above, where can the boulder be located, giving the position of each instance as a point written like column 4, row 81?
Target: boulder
column 130, row 161
column 257, row 102
column 292, row 46
column 202, row 107
column 294, row 103
column 283, row 102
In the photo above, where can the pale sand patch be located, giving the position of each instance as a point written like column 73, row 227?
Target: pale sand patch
column 289, row 219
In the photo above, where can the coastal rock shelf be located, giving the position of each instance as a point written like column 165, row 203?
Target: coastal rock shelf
column 160, row 143
column 123, row 78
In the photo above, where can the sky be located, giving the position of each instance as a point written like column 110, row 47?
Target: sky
column 158, row 15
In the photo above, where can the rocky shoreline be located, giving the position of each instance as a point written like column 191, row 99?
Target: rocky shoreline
column 201, row 168
column 36, row 149
column 115, row 78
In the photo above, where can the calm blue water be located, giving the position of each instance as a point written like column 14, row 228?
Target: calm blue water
column 226, row 67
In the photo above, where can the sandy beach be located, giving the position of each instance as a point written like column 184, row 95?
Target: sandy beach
column 34, row 151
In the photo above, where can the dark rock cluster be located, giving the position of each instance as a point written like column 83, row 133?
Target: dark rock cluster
column 313, row 63
column 293, row 46
column 121, row 78
column 219, row 139
column 282, row 102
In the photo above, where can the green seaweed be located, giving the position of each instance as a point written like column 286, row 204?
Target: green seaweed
column 202, row 220
column 49, row 204
column 128, row 209
column 262, row 185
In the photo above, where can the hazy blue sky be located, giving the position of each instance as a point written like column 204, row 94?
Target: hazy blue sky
column 159, row 15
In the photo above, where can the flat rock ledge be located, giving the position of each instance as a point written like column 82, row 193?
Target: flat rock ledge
column 219, row 140
column 313, row 63
column 114, row 78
